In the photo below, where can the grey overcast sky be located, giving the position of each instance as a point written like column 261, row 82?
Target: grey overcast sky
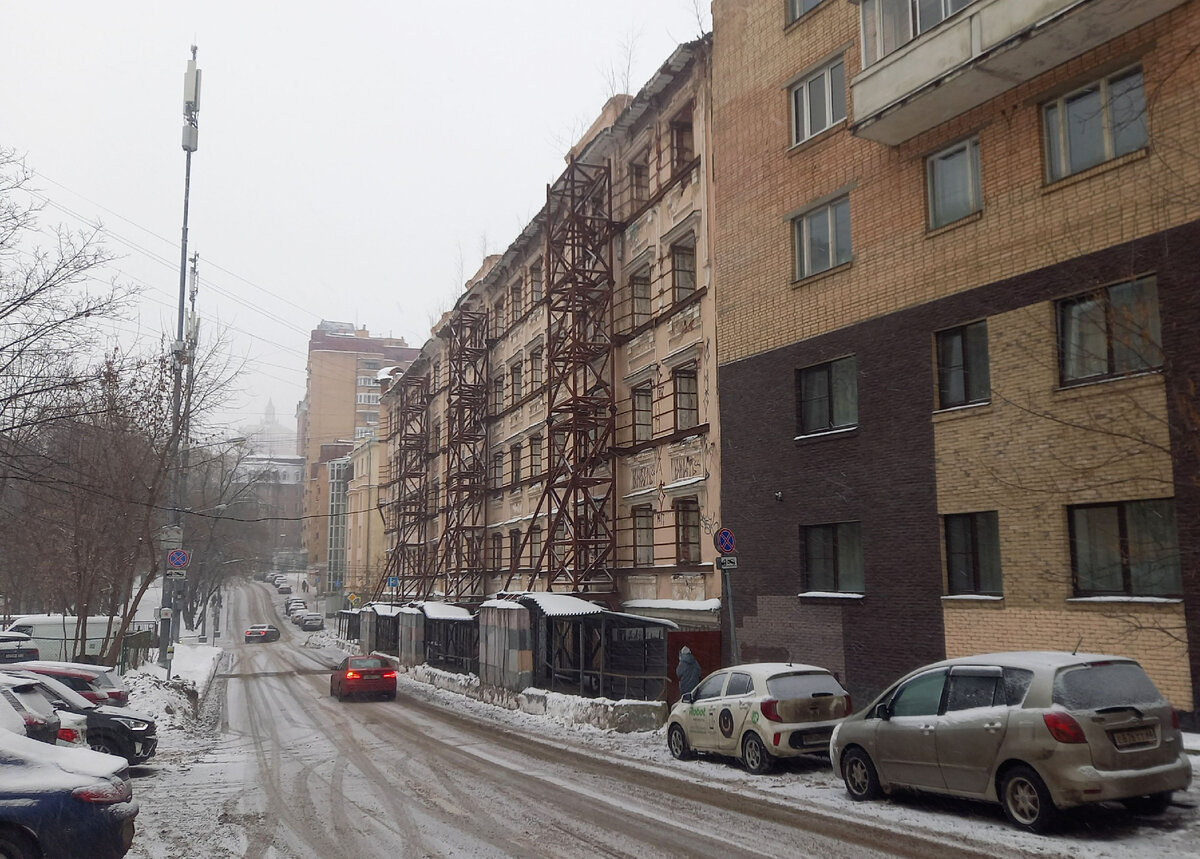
column 356, row 159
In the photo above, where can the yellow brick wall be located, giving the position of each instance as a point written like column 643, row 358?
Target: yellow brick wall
column 898, row 262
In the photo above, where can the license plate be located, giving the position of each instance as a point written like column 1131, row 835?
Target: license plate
column 1135, row 737
column 818, row 737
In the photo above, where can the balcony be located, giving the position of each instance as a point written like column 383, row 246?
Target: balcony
column 976, row 54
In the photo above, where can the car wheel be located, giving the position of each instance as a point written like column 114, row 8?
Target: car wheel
column 678, row 743
column 862, row 782
column 17, row 845
column 755, row 755
column 1155, row 803
column 1026, row 800
column 108, row 745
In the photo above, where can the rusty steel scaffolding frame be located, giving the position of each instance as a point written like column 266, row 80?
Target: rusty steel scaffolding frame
column 407, row 514
column 579, row 498
column 459, row 555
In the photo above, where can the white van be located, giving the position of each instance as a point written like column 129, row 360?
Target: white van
column 54, row 634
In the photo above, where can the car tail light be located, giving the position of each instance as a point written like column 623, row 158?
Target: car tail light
column 778, row 736
column 770, row 709
column 1175, row 719
column 849, row 704
column 69, row 735
column 104, row 792
column 1063, row 727
column 353, row 675
column 389, row 674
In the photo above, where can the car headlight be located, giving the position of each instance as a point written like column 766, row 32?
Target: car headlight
column 134, row 724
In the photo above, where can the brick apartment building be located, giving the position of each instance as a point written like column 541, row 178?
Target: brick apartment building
column 340, row 405
column 957, row 246
column 475, row 422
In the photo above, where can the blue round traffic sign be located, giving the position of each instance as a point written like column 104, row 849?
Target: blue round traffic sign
column 177, row 559
column 725, row 542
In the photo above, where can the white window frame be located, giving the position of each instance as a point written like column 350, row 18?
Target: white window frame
column 798, row 99
column 366, row 399
column 802, row 255
column 971, row 147
column 796, row 10
column 872, row 30
column 1061, row 148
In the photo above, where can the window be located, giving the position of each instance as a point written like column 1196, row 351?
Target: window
column 973, row 553
column 437, row 374
column 514, row 453
column 370, row 365
column 710, row 688
column 535, row 283
column 514, row 547
column 434, row 496
column 535, row 367
column 740, row 683
column 639, row 178
column 498, row 393
column 822, row 238
column 364, row 432
column 953, row 183
column 682, row 146
column 833, row 558
column 535, row 545
column 975, row 687
column 535, row 455
column 639, row 290
column 687, row 408
column 818, row 101
column 962, row 363
column 683, row 268
column 498, row 318
column 921, row 696
column 1102, row 121
column 888, row 24
column 643, row 537
column 827, row 396
column 514, row 374
column 1111, row 332
column 687, row 531
column 498, row 468
column 436, row 437
column 642, row 420
column 516, row 298
column 1126, row 548
column 796, row 8
column 366, row 382
column 366, row 399
column 497, row 551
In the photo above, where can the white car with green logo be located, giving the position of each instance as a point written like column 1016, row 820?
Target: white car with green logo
column 759, row 712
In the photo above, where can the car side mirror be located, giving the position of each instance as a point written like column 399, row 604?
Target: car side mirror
column 687, row 698
column 882, row 711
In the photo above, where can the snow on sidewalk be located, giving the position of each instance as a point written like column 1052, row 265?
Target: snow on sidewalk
column 174, row 702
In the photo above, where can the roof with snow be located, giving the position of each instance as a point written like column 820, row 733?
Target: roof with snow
column 674, row 605
column 445, row 611
column 384, row 609
column 560, row 605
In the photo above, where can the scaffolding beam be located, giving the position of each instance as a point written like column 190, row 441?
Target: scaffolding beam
column 406, row 519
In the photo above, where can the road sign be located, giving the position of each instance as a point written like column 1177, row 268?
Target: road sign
column 727, row 562
column 352, row 598
column 177, row 559
column 393, row 581
column 725, row 542
column 175, row 574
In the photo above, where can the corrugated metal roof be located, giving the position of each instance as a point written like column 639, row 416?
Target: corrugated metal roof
column 561, row 605
column 444, row 611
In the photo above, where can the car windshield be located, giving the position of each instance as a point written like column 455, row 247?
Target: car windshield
column 1105, row 684
column 786, row 686
column 367, row 662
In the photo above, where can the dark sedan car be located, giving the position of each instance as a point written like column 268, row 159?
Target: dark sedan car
column 26, row 699
column 261, row 632
column 63, row 802
column 363, row 675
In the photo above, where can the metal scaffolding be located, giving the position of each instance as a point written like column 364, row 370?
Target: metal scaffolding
column 579, row 499
column 460, row 549
column 406, row 511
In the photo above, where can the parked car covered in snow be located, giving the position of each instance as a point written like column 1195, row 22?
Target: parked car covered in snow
column 35, row 714
column 1033, row 731
column 63, row 802
column 759, row 712
column 98, row 684
column 310, row 621
column 17, row 647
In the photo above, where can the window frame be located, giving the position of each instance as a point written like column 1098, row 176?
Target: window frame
column 516, row 381
column 974, row 552
column 514, row 548
column 535, row 455
column 872, row 38
column 830, row 399
column 1124, row 550
column 514, row 454
column 835, row 541
column 834, row 99
column 687, row 530
column 1056, row 140
column 1104, row 295
column 794, row 9
column 640, row 299
column 972, row 376
column 683, row 141
column 683, row 269
column 974, row 182
column 642, row 517
column 497, row 546
column 838, row 254
column 498, row 393
column 643, row 430
column 685, row 402
column 497, row 469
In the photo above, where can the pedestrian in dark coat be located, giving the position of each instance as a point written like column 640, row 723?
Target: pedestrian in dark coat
column 688, row 671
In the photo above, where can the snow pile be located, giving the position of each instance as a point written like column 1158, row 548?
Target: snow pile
column 328, row 638
column 174, row 704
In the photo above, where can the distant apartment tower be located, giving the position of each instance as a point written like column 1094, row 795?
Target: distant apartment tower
column 957, row 246
column 341, row 404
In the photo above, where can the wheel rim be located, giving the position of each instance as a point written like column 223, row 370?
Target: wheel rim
column 856, row 776
column 1023, row 801
column 676, row 741
column 753, row 753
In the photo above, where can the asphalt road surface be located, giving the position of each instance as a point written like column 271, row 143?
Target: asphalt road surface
column 295, row 773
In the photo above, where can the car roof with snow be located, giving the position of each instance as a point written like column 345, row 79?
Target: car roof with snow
column 77, row 666
column 771, row 669
column 1033, row 660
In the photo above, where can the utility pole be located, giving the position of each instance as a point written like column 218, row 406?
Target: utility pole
column 181, row 355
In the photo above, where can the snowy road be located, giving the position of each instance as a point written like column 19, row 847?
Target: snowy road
column 291, row 772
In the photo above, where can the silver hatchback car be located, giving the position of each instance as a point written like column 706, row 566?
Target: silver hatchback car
column 1034, row 731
